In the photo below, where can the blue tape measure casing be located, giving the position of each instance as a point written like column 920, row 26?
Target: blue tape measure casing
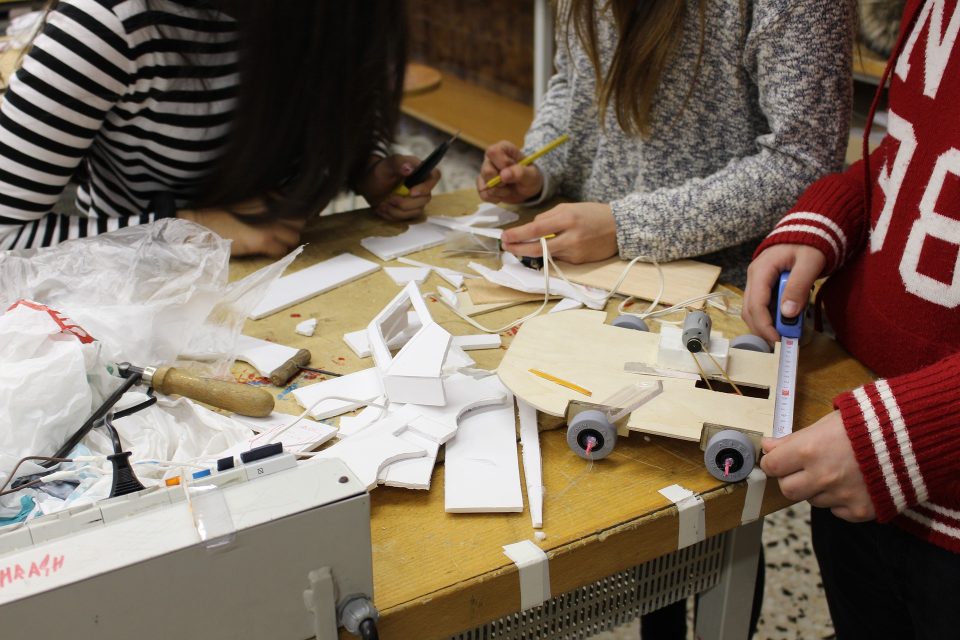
column 786, row 327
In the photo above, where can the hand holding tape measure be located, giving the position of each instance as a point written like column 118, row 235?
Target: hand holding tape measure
column 790, row 329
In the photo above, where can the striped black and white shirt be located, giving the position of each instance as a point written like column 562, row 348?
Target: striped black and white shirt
column 135, row 97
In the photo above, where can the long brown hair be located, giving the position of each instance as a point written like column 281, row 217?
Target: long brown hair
column 320, row 90
column 649, row 33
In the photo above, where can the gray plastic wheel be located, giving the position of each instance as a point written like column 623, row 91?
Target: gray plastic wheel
column 733, row 446
column 750, row 342
column 588, row 425
column 627, row 321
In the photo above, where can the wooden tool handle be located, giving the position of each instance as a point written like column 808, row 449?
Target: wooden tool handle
column 290, row 368
column 232, row 396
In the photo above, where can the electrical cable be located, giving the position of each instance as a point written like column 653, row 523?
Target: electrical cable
column 132, row 379
column 368, row 629
column 114, row 435
column 650, row 312
column 13, row 473
column 274, row 433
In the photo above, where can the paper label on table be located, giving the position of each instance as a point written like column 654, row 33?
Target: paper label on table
column 534, row 568
column 692, row 515
column 756, row 484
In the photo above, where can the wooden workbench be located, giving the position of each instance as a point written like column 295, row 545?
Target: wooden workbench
column 435, row 573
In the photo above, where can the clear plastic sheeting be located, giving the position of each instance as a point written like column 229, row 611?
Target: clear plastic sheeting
column 149, row 292
column 630, row 398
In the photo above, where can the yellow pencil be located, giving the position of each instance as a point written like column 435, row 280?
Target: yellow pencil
column 494, row 181
column 560, row 381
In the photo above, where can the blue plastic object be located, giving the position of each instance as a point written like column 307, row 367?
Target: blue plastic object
column 786, row 327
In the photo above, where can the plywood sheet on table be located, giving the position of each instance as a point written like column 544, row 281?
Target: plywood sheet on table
column 580, row 347
column 485, row 292
column 682, row 279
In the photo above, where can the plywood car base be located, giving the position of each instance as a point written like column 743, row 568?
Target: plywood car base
column 578, row 346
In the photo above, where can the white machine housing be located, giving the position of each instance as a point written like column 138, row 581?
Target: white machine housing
column 136, row 566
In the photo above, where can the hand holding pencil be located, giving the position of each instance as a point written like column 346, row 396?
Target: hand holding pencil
column 508, row 176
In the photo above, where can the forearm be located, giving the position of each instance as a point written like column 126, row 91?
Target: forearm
column 741, row 202
column 905, row 433
column 830, row 216
column 550, row 122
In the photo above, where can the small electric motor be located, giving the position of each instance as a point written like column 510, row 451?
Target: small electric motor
column 696, row 331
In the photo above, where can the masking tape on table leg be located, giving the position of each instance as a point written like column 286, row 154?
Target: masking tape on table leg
column 692, row 517
column 534, row 569
column 756, row 484
column 211, row 515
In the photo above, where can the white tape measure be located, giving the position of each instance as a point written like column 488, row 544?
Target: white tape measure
column 790, row 330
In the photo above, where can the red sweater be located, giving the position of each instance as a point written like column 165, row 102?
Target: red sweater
column 890, row 228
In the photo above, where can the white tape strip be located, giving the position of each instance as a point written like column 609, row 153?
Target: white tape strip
column 756, row 484
column 534, row 569
column 211, row 515
column 692, row 521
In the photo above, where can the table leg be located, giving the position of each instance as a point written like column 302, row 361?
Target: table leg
column 723, row 611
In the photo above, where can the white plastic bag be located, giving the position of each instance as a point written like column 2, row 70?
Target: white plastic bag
column 44, row 390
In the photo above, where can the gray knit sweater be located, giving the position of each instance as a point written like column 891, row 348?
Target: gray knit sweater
column 768, row 115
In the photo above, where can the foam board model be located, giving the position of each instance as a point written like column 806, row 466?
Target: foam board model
column 414, row 374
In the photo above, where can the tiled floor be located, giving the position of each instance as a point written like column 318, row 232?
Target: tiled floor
column 793, row 607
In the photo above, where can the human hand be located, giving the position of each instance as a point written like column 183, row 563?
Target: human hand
column 817, row 464
column 804, row 264
column 384, row 176
column 585, row 232
column 517, row 182
column 274, row 237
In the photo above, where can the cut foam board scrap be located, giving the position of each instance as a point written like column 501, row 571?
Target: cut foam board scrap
column 367, row 456
column 450, row 223
column 352, row 425
column 416, row 238
column 453, row 277
column 456, row 359
column 486, row 215
column 266, row 357
column 412, row 473
column 516, row 276
column 463, row 394
column 477, row 341
column 402, row 275
column 360, row 344
column 532, row 463
column 682, row 279
column 307, row 327
column 451, row 298
column 481, row 469
column 312, row 281
column 566, row 305
column 361, row 387
column 391, row 424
